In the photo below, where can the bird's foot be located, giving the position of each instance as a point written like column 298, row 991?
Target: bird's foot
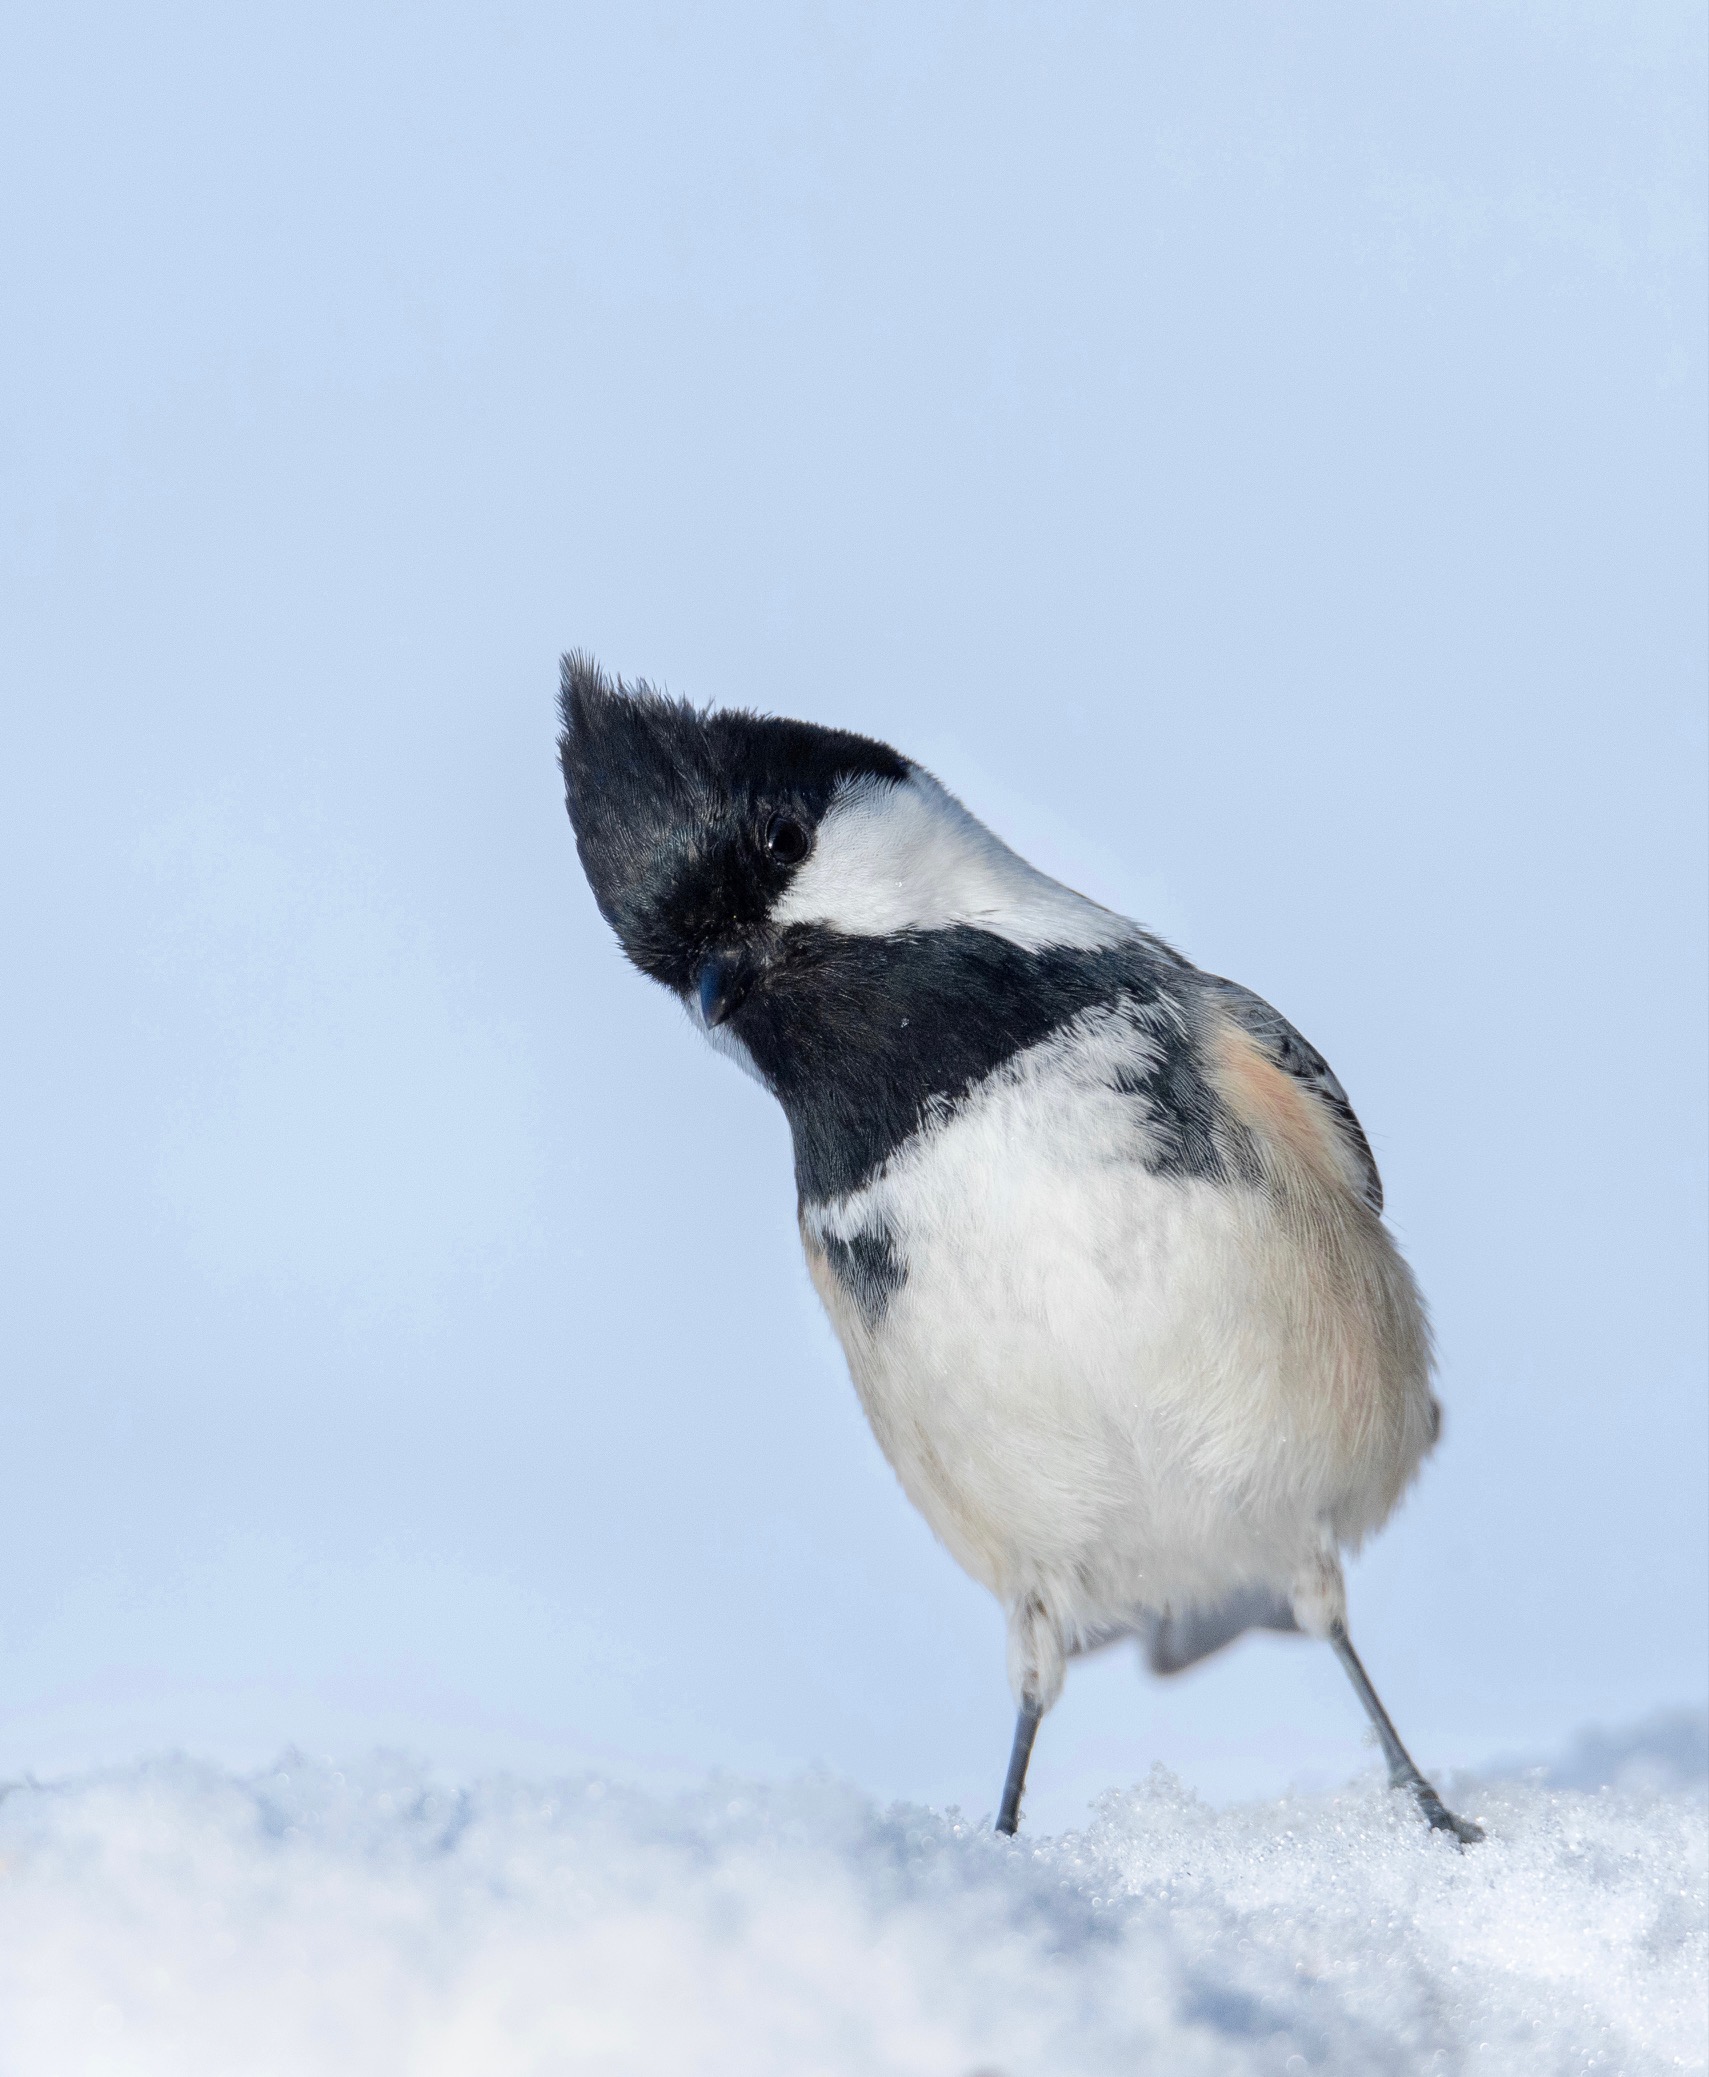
column 1439, row 1817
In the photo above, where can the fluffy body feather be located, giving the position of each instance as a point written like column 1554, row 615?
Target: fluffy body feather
column 1117, row 1394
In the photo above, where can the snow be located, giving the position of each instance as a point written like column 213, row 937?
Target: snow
column 177, row 1917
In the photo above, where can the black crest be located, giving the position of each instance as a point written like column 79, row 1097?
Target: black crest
column 670, row 805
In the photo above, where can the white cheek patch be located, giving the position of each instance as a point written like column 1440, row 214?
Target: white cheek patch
column 895, row 857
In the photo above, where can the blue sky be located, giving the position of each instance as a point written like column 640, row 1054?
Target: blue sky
column 1254, row 455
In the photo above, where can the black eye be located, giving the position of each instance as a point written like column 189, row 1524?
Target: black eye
column 786, row 840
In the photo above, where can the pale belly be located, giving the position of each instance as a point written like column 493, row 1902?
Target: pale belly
column 1118, row 1390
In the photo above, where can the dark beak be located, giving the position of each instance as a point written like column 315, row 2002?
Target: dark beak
column 724, row 983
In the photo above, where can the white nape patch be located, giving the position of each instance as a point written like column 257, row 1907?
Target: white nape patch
column 895, row 857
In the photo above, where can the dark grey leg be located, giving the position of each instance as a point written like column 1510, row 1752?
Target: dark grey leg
column 1026, row 1730
column 1403, row 1770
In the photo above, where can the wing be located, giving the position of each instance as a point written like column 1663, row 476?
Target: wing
column 1278, row 1043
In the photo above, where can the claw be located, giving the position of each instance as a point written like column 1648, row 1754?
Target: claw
column 1441, row 1819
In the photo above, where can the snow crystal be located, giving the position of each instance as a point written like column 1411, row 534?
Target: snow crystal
column 176, row 1918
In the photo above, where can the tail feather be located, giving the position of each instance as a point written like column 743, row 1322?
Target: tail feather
column 1182, row 1638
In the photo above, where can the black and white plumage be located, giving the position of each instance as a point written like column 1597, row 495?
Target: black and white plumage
column 1099, row 1233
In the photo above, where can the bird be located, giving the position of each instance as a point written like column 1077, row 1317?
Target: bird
column 1099, row 1232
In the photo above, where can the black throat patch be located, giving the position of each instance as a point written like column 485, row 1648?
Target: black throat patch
column 866, row 1040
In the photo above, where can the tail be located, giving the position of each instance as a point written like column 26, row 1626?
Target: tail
column 1176, row 1641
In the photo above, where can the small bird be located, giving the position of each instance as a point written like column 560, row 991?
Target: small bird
column 1099, row 1233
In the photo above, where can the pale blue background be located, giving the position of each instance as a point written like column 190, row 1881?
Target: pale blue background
column 1254, row 453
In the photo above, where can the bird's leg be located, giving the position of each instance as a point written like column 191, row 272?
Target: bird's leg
column 1403, row 1769
column 1026, row 1730
column 1037, row 1661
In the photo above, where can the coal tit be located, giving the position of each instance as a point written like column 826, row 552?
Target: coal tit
column 1098, row 1232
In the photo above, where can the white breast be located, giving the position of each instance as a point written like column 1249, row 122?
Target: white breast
column 1112, row 1388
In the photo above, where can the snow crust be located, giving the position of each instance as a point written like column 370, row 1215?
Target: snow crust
column 175, row 1917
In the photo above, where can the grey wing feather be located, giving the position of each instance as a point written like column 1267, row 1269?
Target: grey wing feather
column 1298, row 1057
column 1181, row 1639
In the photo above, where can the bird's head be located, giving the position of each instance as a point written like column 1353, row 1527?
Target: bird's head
column 832, row 918
column 694, row 827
